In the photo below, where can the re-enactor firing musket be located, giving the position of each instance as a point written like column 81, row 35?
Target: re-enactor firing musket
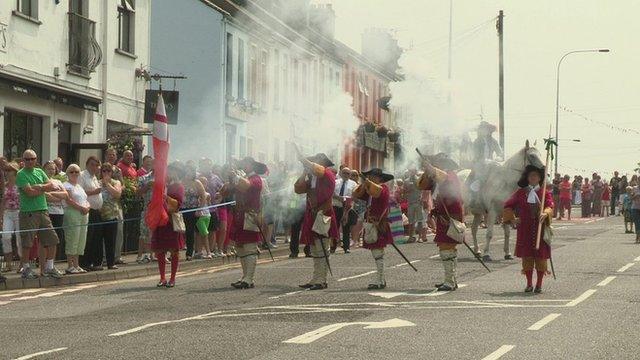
column 475, row 254
column 306, row 165
column 364, row 178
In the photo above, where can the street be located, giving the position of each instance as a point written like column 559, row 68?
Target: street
column 488, row 317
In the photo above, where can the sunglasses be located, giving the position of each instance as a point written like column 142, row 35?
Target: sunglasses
column 73, row 172
column 106, row 170
column 30, row 159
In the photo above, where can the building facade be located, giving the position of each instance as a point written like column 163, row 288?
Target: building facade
column 263, row 76
column 68, row 74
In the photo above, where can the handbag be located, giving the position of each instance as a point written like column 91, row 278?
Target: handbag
column 547, row 233
column 456, row 228
column 177, row 221
column 321, row 224
column 250, row 222
column 371, row 229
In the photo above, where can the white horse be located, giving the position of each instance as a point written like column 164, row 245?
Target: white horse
column 499, row 183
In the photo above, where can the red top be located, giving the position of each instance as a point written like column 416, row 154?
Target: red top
column 565, row 190
column 379, row 208
column 164, row 238
column 449, row 196
column 528, row 227
column 248, row 201
column 127, row 170
column 323, row 191
column 606, row 195
column 142, row 172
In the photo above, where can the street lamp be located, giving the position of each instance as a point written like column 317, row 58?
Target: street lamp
column 558, row 92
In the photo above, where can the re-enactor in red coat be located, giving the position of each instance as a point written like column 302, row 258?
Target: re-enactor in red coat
column 376, row 193
column 439, row 174
column 318, row 182
column 523, row 209
column 247, row 218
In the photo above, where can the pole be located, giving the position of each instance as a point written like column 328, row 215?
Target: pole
column 558, row 95
column 555, row 163
column 544, row 193
column 500, row 27
column 450, row 48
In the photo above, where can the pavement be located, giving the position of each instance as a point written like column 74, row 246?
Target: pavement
column 590, row 312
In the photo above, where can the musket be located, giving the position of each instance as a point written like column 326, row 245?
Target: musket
column 404, row 257
column 324, row 251
column 265, row 243
column 476, row 255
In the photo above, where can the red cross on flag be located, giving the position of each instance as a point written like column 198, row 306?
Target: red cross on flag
column 156, row 212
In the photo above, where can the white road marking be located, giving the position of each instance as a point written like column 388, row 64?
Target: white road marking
column 626, row 267
column 146, row 326
column 585, row 295
column 545, row 320
column 405, row 264
column 314, row 335
column 16, row 293
column 391, row 295
column 637, row 259
column 356, row 276
column 498, row 353
column 287, row 294
column 606, row 281
column 31, row 356
column 434, row 256
column 54, row 293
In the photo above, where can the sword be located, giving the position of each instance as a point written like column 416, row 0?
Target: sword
column 476, row 255
column 404, row 257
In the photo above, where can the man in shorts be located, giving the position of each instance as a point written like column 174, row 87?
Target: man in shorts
column 32, row 183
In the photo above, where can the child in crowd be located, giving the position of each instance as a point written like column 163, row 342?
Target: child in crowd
column 626, row 210
column 606, row 199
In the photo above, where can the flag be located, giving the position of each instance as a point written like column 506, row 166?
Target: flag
column 156, row 212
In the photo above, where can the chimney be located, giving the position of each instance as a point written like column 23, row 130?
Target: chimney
column 322, row 18
column 379, row 46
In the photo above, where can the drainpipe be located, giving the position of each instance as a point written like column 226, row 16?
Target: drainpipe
column 105, row 62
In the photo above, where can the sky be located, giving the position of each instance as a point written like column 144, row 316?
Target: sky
column 600, row 91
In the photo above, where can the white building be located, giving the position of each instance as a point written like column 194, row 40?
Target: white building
column 68, row 74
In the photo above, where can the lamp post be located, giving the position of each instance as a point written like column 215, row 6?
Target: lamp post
column 558, row 93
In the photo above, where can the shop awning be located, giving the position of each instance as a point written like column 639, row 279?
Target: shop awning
column 49, row 92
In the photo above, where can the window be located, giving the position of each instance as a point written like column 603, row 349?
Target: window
column 28, row 8
column 243, row 147
column 229, row 67
column 285, row 82
column 126, row 26
column 295, row 81
column 21, row 132
column 253, row 74
column 240, row 69
column 276, row 78
column 276, row 150
column 84, row 51
column 264, row 59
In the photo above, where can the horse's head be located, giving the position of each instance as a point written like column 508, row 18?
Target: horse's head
column 532, row 156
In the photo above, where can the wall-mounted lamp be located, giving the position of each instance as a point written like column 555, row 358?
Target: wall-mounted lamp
column 56, row 125
column 87, row 130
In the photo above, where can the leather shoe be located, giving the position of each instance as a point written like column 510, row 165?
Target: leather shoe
column 318, row 286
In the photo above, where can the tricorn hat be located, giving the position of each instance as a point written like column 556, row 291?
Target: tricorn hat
column 321, row 159
column 487, row 126
column 258, row 167
column 443, row 162
column 524, row 179
column 379, row 173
